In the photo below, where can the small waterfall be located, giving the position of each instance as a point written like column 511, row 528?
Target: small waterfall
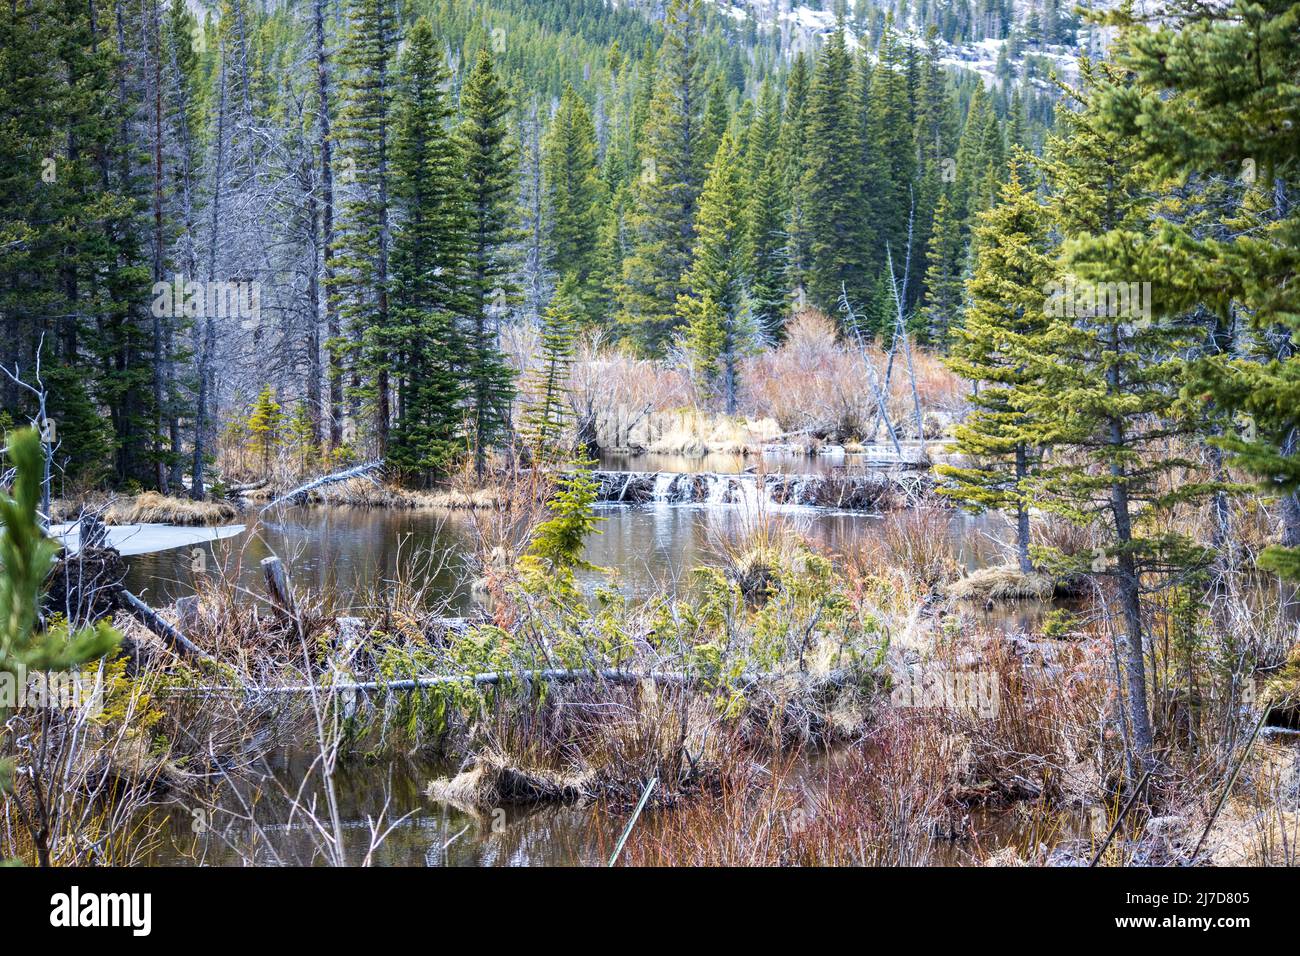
column 859, row 491
column 663, row 486
column 717, row 485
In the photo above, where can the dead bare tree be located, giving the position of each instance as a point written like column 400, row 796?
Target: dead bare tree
column 42, row 422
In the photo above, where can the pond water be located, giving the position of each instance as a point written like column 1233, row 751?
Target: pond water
column 260, row 829
column 351, row 551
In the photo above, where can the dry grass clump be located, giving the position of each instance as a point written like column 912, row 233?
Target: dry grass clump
column 693, row 434
column 153, row 508
column 914, row 551
column 491, row 780
column 1004, row 582
column 1062, row 535
column 590, row 740
column 363, row 493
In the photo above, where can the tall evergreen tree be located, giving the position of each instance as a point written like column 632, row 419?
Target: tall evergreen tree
column 428, row 265
column 361, row 266
column 487, row 161
column 716, row 308
column 1007, row 294
column 892, row 186
column 832, row 204
column 1108, row 373
column 792, row 152
column 668, row 183
column 547, row 415
column 575, row 197
column 766, row 216
column 943, row 276
column 1211, row 93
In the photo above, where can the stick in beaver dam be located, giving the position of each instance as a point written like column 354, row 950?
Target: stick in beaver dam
column 150, row 618
column 354, row 472
column 279, row 590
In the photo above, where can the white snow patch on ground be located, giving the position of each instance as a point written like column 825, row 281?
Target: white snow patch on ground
column 131, row 539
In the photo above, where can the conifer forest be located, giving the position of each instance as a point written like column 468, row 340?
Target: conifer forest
column 650, row 433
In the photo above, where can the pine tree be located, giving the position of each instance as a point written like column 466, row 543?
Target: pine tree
column 765, row 216
column 264, row 423
column 831, row 203
column 943, row 276
column 1213, row 96
column 892, row 153
column 555, row 552
column 668, row 183
column 73, row 279
column 936, row 165
column 792, row 152
column 717, row 117
column 487, row 161
column 361, row 266
column 973, row 162
column 1007, row 294
column 547, row 416
column 1108, row 370
column 716, row 309
column 429, row 251
column 575, row 198
column 765, row 243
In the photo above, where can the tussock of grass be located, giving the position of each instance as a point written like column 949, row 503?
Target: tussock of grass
column 1005, row 582
column 153, row 508
column 493, row 781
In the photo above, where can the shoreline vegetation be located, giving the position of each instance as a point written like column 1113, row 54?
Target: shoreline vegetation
column 933, row 728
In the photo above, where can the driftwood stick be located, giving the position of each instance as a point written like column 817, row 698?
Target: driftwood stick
column 1128, row 805
column 151, row 619
column 636, row 814
column 354, row 472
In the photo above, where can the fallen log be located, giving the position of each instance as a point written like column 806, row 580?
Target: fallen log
column 152, row 620
column 234, row 490
column 611, row 675
column 354, row 472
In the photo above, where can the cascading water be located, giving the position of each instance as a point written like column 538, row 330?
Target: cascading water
column 717, row 485
column 663, row 487
column 858, row 491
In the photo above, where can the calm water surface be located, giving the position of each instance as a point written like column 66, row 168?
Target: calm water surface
column 349, row 552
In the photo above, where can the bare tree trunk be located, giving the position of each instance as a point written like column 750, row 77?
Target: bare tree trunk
column 160, row 335
column 729, row 381
column 332, row 328
column 1022, row 514
column 206, row 339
